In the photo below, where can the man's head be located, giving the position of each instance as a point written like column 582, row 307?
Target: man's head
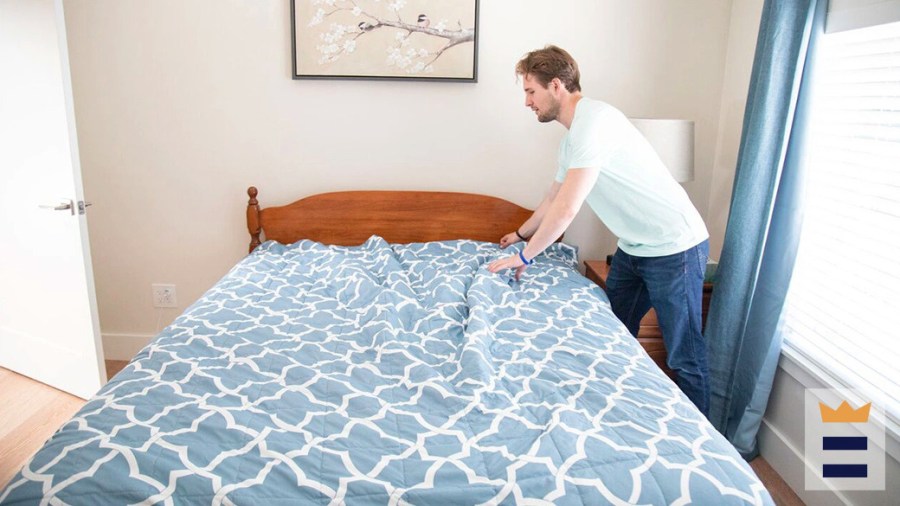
column 551, row 62
column 546, row 73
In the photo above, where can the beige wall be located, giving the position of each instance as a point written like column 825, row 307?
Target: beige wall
column 742, row 33
column 183, row 104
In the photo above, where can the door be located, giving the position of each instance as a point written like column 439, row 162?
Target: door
column 49, row 328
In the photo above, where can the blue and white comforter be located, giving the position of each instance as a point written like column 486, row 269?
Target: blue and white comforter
column 390, row 374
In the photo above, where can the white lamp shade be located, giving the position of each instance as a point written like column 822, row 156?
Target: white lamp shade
column 673, row 140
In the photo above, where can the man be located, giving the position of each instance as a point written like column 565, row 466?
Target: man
column 663, row 243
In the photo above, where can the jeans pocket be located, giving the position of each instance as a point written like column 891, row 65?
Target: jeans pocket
column 702, row 257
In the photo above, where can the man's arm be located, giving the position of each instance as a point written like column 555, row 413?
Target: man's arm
column 574, row 189
column 528, row 228
column 559, row 214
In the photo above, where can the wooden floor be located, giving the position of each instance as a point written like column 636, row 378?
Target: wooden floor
column 30, row 412
column 782, row 494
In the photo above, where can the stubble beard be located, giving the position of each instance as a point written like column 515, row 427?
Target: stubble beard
column 550, row 115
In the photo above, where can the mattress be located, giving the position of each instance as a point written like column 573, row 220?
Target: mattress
column 391, row 374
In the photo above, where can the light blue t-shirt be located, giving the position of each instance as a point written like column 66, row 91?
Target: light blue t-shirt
column 635, row 195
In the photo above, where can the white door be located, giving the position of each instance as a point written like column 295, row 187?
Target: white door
column 49, row 328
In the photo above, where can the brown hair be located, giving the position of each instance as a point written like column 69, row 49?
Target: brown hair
column 549, row 62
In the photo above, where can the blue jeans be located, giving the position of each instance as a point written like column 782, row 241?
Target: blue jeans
column 673, row 286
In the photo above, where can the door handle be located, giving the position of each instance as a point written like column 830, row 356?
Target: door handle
column 65, row 205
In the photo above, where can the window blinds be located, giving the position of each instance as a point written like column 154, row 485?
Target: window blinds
column 843, row 309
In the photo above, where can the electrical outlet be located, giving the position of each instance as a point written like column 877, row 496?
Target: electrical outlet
column 164, row 295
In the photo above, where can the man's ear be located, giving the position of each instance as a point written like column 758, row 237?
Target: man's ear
column 557, row 84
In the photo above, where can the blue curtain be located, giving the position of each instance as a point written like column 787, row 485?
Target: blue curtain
column 762, row 235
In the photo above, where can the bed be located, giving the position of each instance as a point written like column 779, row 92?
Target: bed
column 362, row 354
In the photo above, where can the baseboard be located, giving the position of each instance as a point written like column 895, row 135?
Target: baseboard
column 124, row 346
column 787, row 460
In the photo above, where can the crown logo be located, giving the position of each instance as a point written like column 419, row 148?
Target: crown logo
column 844, row 413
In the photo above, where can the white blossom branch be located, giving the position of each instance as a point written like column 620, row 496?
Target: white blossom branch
column 342, row 39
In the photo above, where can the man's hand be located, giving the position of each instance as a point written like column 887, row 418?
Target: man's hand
column 510, row 238
column 513, row 262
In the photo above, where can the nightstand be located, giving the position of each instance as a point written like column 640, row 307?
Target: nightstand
column 649, row 334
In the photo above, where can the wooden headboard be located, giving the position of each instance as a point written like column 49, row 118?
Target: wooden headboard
column 349, row 218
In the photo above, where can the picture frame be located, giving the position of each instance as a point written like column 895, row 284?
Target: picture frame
column 411, row 40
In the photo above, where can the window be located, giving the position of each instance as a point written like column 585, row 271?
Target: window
column 843, row 306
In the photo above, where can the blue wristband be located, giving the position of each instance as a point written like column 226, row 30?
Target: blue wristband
column 524, row 261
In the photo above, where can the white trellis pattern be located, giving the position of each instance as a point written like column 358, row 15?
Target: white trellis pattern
column 390, row 374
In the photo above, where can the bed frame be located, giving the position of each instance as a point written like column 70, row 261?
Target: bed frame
column 349, row 218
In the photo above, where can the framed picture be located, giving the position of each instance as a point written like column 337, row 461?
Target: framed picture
column 425, row 40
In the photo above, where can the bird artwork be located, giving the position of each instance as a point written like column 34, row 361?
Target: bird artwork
column 346, row 37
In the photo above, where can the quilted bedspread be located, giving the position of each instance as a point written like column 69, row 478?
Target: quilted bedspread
column 390, row 374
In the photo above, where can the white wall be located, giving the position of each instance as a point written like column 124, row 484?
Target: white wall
column 181, row 105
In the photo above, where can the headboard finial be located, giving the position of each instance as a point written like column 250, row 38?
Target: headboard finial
column 253, row 218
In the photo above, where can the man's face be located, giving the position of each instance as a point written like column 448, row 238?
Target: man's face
column 541, row 100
